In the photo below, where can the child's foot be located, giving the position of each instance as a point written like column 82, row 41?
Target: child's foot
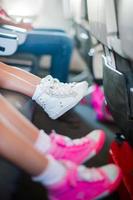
column 76, row 150
column 84, row 183
column 56, row 98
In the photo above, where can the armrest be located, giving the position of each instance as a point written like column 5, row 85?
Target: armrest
column 8, row 44
column 20, row 32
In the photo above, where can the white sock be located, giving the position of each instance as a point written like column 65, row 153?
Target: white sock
column 53, row 174
column 43, row 142
column 41, row 87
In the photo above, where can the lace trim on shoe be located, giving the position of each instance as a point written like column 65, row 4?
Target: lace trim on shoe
column 66, row 141
column 63, row 91
column 57, row 88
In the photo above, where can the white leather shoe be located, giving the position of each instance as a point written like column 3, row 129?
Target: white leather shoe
column 56, row 97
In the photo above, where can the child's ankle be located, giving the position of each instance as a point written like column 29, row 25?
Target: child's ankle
column 53, row 174
column 43, row 142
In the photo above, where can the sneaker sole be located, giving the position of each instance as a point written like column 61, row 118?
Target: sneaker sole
column 97, row 148
column 112, row 187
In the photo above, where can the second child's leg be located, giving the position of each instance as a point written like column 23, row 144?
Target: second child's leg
column 60, row 147
column 16, row 148
column 64, row 180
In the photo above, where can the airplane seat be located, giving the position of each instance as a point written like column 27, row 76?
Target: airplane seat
column 77, row 10
column 19, row 32
column 111, row 25
column 9, row 173
column 8, row 44
column 120, row 70
column 78, row 13
column 26, row 61
column 81, row 35
column 97, row 20
column 107, row 24
column 86, row 44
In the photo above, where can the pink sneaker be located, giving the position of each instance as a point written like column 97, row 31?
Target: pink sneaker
column 77, row 150
column 99, row 106
column 82, row 183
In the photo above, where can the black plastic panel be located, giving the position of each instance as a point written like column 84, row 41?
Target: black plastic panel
column 117, row 98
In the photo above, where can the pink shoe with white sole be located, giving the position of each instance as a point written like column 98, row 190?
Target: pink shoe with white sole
column 56, row 98
column 98, row 103
column 76, row 150
column 81, row 183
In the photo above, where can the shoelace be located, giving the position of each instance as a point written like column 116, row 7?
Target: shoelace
column 57, row 88
column 68, row 141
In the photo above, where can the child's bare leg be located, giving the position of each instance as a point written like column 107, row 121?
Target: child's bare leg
column 18, row 120
column 18, row 80
column 40, row 140
column 50, row 94
column 45, row 143
column 65, row 178
column 16, row 148
column 21, row 73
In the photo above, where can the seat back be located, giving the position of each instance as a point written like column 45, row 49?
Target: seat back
column 97, row 19
column 110, row 23
column 125, row 24
column 77, row 9
column 102, row 15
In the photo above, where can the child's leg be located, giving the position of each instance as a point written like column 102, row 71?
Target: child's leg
column 16, row 148
column 68, row 180
column 18, row 80
column 27, row 76
column 18, row 120
column 54, row 97
column 89, row 145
